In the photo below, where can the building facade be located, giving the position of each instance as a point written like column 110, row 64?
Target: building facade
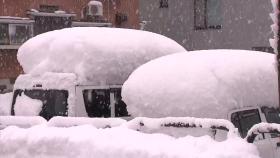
column 210, row 24
column 21, row 20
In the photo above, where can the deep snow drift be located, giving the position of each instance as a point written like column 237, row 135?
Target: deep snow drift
column 202, row 84
column 88, row 141
column 102, row 55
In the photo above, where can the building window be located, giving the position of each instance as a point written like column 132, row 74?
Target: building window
column 207, row 14
column 104, row 103
column 4, row 34
column 121, row 18
column 19, row 33
column 163, row 3
column 14, row 34
column 49, row 23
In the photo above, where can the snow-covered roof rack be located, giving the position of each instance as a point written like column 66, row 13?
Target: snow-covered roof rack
column 51, row 14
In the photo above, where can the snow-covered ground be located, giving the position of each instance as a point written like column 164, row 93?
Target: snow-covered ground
column 88, row 141
column 204, row 84
column 21, row 121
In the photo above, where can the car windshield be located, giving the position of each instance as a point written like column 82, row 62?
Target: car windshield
column 54, row 101
column 272, row 115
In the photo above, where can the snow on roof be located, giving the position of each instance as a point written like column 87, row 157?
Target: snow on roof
column 87, row 141
column 17, row 20
column 95, row 3
column 206, row 83
column 96, row 55
column 13, row 17
column 58, row 14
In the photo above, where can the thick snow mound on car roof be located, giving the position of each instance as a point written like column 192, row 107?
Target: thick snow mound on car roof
column 105, row 55
column 88, row 142
column 202, row 84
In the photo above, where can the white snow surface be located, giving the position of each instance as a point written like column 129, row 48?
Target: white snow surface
column 99, row 56
column 5, row 104
column 21, row 121
column 218, row 129
column 203, row 84
column 264, row 128
column 95, row 3
column 26, row 106
column 87, row 141
column 47, row 80
column 59, row 121
column 154, row 123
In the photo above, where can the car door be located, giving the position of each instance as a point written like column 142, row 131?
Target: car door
column 244, row 119
column 272, row 115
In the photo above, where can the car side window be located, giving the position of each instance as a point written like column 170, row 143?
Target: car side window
column 97, row 102
column 244, row 120
column 104, row 103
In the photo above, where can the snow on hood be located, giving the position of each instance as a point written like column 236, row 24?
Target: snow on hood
column 99, row 55
column 206, row 83
column 87, row 141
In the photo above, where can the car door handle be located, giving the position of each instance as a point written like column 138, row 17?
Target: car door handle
column 278, row 144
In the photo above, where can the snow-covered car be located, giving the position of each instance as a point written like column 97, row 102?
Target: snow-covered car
column 237, row 85
column 79, row 72
column 124, row 141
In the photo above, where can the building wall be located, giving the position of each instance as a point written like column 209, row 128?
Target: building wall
column 9, row 66
column 245, row 24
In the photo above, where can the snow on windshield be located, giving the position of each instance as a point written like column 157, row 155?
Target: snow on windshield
column 105, row 55
column 26, row 106
column 5, row 103
column 43, row 141
column 202, row 84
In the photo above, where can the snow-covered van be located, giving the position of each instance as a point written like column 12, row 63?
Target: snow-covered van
column 79, row 72
column 237, row 85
